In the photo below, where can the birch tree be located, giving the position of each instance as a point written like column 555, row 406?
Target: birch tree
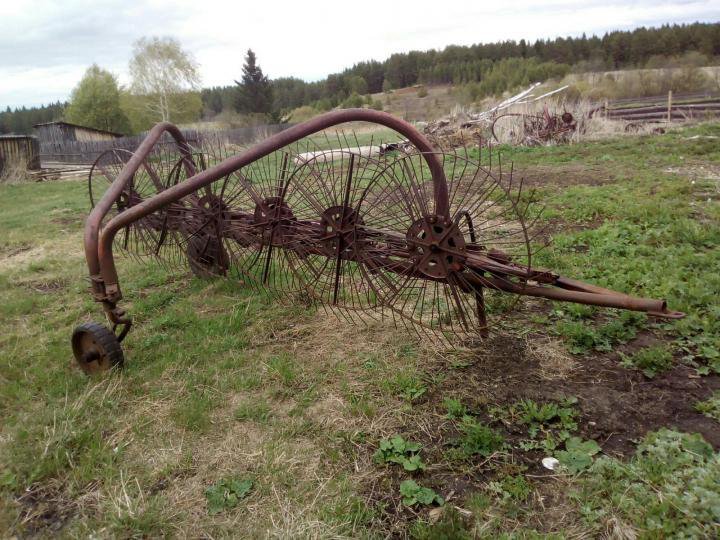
column 164, row 74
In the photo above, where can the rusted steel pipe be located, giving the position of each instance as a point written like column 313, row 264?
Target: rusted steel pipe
column 581, row 286
column 103, row 248
column 92, row 224
column 611, row 299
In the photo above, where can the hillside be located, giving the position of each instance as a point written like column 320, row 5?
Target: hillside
column 426, row 103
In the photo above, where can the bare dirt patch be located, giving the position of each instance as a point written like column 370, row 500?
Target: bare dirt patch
column 700, row 171
column 44, row 509
column 67, row 220
column 704, row 177
column 565, row 175
column 23, row 254
column 618, row 406
column 12, row 250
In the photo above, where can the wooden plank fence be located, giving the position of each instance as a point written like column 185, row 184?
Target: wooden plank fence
column 668, row 107
column 18, row 152
column 86, row 152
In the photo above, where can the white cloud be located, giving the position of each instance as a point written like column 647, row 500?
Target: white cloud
column 46, row 45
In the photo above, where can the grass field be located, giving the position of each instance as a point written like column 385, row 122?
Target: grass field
column 239, row 417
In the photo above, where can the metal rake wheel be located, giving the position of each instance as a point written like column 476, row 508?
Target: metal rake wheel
column 148, row 235
column 194, row 235
column 183, row 232
column 329, row 239
column 422, row 264
column 533, row 129
column 435, row 241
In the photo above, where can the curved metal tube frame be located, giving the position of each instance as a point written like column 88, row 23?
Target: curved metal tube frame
column 98, row 244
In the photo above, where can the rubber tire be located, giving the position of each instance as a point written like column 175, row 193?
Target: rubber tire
column 105, row 340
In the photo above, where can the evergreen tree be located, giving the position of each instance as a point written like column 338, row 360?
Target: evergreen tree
column 254, row 91
column 22, row 119
column 212, row 100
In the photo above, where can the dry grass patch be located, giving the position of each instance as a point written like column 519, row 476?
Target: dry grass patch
column 24, row 257
column 553, row 360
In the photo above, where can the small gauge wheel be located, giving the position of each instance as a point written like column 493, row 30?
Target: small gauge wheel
column 96, row 348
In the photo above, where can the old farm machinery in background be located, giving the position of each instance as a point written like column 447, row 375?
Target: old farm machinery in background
column 433, row 242
column 533, row 129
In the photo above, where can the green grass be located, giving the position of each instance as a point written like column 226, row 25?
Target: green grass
column 652, row 232
column 476, row 439
column 710, row 407
column 223, row 384
column 668, row 489
column 454, row 407
column 651, row 360
column 254, row 411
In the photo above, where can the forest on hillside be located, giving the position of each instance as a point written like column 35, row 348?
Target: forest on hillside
column 497, row 66
column 21, row 119
column 492, row 67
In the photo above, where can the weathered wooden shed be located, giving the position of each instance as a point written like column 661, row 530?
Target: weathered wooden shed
column 19, row 152
column 58, row 132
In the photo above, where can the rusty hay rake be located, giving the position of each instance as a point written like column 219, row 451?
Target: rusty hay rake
column 533, row 129
column 434, row 242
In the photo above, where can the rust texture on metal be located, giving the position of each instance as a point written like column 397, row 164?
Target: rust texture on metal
column 432, row 241
column 540, row 128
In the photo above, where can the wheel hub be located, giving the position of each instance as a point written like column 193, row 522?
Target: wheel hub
column 436, row 246
column 274, row 218
column 212, row 205
column 338, row 230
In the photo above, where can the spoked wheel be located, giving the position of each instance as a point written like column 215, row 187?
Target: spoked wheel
column 419, row 263
column 103, row 173
column 323, row 247
column 146, row 236
column 200, row 221
column 508, row 128
column 258, row 220
column 96, row 348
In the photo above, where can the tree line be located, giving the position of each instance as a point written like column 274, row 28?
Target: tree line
column 494, row 65
column 492, row 68
column 22, row 119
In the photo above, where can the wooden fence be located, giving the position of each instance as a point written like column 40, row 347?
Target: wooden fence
column 661, row 108
column 19, row 153
column 86, row 152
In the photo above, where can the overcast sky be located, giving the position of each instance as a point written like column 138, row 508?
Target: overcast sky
column 46, row 45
